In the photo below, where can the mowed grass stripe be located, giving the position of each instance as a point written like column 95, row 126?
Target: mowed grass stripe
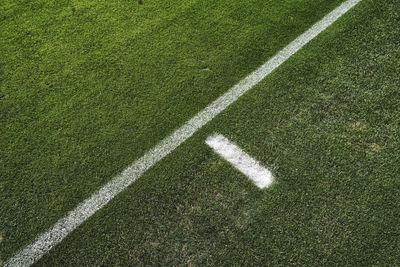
column 66, row 225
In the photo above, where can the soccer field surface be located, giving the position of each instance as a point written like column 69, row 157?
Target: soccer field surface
column 89, row 87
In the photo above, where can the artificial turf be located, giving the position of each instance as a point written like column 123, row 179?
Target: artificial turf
column 87, row 94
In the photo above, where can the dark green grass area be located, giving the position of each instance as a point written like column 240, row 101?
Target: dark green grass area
column 327, row 123
column 87, row 87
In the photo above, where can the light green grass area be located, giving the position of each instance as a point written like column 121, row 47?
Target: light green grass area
column 88, row 87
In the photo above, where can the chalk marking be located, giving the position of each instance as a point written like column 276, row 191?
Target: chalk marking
column 46, row 241
column 240, row 160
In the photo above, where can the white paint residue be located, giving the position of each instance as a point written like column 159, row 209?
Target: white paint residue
column 240, row 160
column 46, row 241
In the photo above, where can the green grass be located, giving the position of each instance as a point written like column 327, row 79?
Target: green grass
column 86, row 88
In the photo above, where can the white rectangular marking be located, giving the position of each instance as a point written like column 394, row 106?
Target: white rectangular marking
column 64, row 226
column 241, row 160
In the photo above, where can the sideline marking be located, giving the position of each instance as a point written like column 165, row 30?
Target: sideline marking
column 240, row 160
column 47, row 240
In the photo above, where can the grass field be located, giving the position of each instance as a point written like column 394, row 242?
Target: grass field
column 88, row 87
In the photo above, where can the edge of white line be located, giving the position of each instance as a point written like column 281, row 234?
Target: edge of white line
column 46, row 241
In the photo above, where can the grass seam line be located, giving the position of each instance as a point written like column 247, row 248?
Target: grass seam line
column 47, row 240
column 239, row 159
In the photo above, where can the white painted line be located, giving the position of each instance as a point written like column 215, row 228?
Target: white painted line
column 240, row 160
column 87, row 208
